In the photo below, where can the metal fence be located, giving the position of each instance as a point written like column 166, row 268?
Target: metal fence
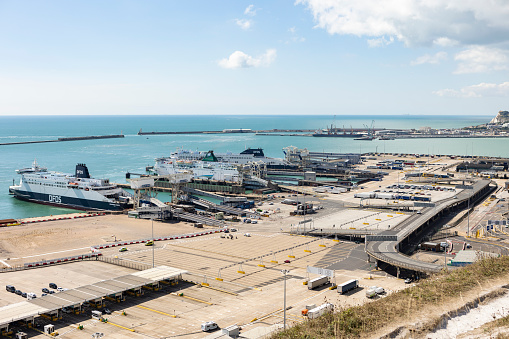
column 125, row 263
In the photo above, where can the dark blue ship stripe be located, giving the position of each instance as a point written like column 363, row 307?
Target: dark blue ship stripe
column 63, row 201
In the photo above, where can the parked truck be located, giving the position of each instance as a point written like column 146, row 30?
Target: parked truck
column 318, row 311
column 348, row 286
column 316, row 282
column 367, row 195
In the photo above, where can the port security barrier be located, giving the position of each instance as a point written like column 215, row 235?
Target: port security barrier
column 142, row 241
column 96, row 254
column 63, row 218
column 80, row 257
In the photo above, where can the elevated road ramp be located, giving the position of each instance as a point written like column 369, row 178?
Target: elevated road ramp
column 386, row 247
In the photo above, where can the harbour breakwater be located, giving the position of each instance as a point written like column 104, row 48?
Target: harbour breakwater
column 91, row 137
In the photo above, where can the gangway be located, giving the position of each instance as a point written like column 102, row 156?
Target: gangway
column 223, row 208
column 199, row 219
column 157, row 202
column 223, row 199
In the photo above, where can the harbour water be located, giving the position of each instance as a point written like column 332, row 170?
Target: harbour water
column 112, row 158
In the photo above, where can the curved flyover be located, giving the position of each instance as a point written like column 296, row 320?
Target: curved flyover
column 384, row 246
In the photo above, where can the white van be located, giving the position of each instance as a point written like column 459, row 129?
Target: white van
column 97, row 315
column 208, row 326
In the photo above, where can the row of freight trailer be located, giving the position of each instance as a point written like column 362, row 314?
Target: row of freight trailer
column 389, row 196
column 342, row 288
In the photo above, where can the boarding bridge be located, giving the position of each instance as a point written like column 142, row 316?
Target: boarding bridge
column 224, row 200
column 252, row 180
column 199, row 219
column 227, row 209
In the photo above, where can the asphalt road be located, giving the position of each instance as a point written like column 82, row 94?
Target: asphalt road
column 386, row 250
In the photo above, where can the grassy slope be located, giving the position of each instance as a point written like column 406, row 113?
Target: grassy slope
column 364, row 320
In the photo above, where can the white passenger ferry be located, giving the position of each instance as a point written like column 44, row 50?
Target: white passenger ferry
column 243, row 158
column 207, row 168
column 78, row 191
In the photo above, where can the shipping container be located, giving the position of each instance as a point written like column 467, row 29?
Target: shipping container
column 320, row 310
column 316, row 282
column 347, row 286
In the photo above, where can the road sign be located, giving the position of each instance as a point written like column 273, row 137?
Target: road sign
column 305, row 221
column 320, row 271
column 423, row 204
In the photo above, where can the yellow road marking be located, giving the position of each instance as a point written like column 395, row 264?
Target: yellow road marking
column 146, row 308
column 125, row 328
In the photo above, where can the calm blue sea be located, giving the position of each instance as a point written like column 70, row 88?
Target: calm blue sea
column 112, row 158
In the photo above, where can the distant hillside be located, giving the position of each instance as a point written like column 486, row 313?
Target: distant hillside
column 501, row 118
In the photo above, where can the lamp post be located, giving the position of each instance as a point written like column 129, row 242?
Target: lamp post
column 284, row 272
column 153, row 245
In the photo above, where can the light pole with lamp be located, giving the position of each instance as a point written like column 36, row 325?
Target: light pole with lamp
column 153, row 245
column 284, row 272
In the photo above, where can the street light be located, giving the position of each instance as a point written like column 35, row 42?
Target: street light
column 284, row 272
column 153, row 245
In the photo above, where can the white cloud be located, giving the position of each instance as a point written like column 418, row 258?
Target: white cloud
column 379, row 42
column 415, row 22
column 250, row 10
column 240, row 59
column 292, row 30
column 430, row 59
column 477, row 91
column 244, row 23
column 445, row 42
column 480, row 59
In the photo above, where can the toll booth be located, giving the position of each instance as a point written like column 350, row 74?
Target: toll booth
column 116, row 297
column 4, row 330
column 136, row 292
column 97, row 303
column 29, row 322
column 153, row 286
column 53, row 315
column 76, row 309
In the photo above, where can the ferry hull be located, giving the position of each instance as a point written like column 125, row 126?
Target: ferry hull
column 67, row 202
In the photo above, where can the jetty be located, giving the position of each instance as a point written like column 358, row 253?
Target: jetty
column 91, row 137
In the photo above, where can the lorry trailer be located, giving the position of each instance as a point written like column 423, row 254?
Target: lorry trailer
column 320, row 310
column 347, row 286
column 316, row 282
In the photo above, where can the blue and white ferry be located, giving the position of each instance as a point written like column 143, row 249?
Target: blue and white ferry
column 78, row 191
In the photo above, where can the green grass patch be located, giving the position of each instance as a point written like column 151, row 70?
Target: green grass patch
column 362, row 320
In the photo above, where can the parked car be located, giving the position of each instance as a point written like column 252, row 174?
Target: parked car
column 123, row 249
column 53, row 285
column 287, row 261
column 18, row 292
column 408, row 280
column 45, row 290
column 10, row 288
column 106, row 310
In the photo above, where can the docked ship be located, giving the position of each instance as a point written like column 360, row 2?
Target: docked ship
column 333, row 132
column 245, row 157
column 209, row 167
column 78, row 191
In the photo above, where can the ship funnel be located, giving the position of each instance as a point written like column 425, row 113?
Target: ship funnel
column 82, row 171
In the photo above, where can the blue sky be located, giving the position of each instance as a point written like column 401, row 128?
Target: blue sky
column 243, row 57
